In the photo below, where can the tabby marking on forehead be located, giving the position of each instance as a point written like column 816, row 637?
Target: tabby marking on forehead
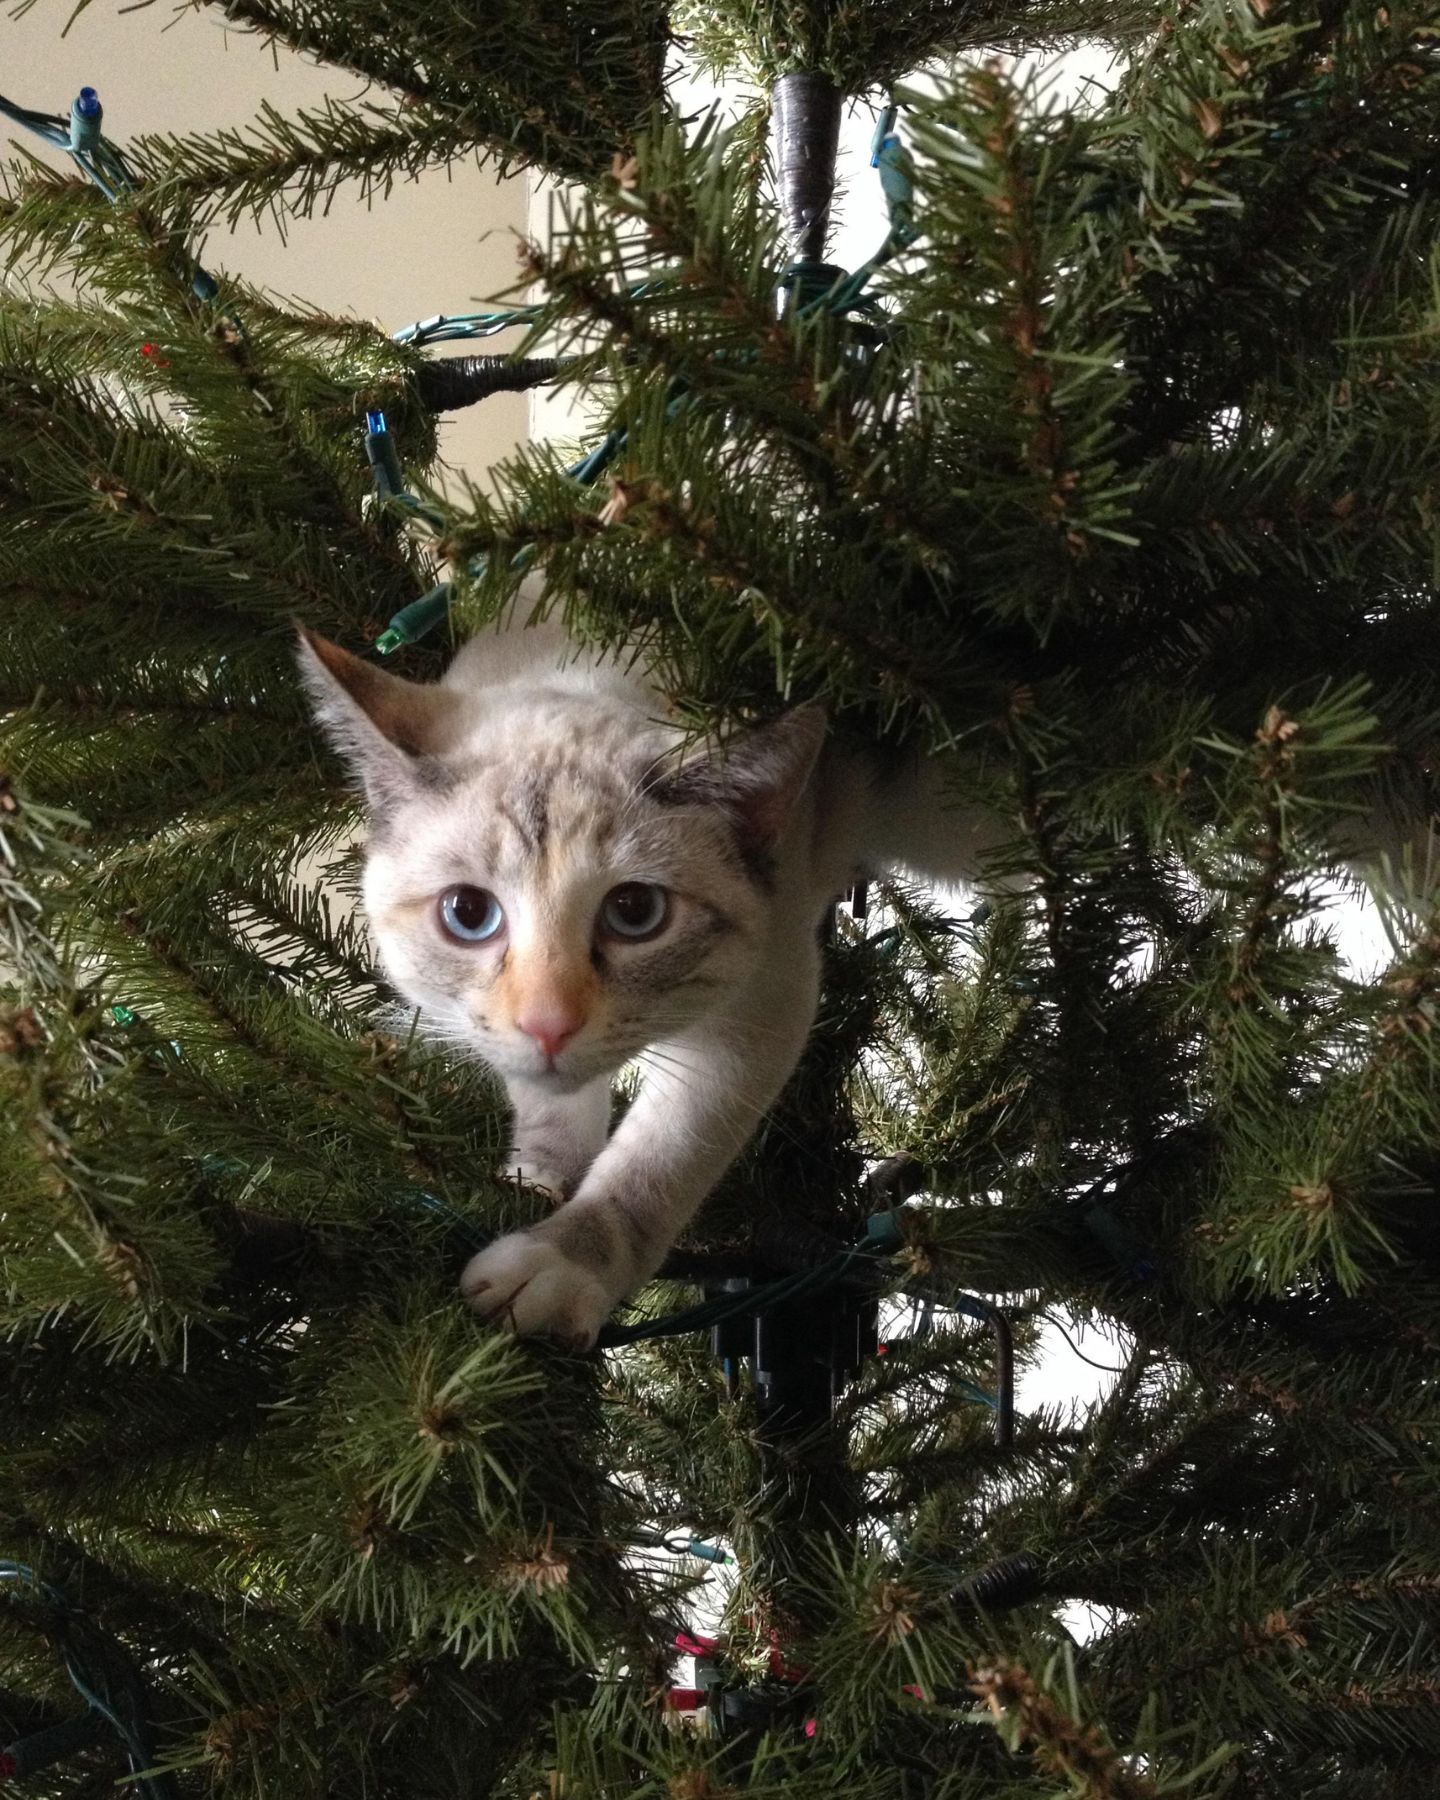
column 526, row 807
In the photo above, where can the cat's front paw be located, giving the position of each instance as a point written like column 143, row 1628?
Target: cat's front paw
column 525, row 1282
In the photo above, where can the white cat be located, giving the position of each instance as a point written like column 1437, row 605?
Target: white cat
column 561, row 886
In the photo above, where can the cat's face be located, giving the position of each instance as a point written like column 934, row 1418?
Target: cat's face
column 545, row 911
column 543, row 880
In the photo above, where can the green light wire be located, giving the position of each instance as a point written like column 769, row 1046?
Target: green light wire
column 101, row 163
column 132, row 1731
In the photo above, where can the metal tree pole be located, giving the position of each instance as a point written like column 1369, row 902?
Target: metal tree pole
column 805, row 115
column 801, row 1352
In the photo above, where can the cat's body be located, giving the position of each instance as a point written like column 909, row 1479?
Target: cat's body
column 561, row 887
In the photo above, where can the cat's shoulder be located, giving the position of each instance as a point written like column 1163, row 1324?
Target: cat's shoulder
column 512, row 651
column 528, row 656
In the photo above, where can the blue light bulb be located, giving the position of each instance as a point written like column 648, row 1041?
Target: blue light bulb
column 85, row 117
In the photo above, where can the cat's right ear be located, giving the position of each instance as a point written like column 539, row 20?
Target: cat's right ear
column 387, row 729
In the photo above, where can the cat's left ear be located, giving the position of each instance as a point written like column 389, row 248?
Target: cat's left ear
column 756, row 776
column 387, row 729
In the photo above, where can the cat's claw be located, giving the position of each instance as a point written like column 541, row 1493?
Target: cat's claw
column 528, row 1285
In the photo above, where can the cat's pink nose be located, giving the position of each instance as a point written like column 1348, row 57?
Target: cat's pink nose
column 552, row 1030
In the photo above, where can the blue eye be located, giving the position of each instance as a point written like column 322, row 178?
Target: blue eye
column 471, row 914
column 636, row 910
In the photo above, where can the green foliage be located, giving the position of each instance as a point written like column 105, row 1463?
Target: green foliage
column 212, row 1142
column 566, row 87
column 866, row 47
column 1125, row 496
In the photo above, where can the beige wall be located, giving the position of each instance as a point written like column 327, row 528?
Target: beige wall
column 439, row 244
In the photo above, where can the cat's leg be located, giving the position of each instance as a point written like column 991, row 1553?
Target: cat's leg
column 703, row 1095
column 554, row 1138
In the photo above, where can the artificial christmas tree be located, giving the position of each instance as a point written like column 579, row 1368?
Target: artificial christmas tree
column 1114, row 476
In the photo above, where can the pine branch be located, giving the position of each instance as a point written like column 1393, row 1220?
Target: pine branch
column 293, row 167
column 866, row 49
column 563, row 90
column 1026, row 1715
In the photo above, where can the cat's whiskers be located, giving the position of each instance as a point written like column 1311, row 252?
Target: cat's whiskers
column 755, row 1030
column 662, row 1059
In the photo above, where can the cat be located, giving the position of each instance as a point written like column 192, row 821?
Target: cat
column 562, row 882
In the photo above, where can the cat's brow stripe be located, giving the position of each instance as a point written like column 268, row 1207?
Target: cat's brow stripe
column 527, row 808
column 756, row 862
